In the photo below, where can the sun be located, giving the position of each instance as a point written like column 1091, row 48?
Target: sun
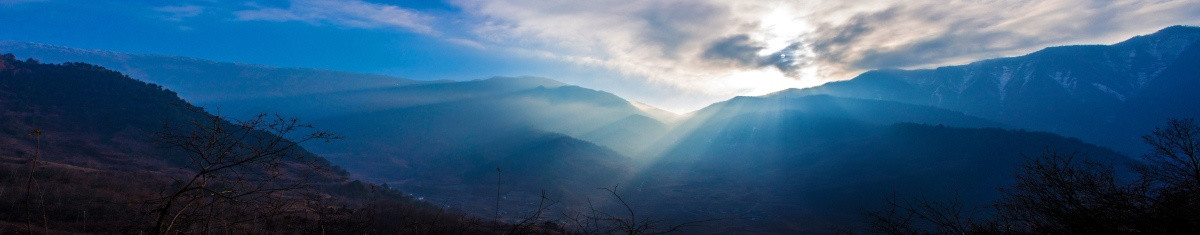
column 781, row 27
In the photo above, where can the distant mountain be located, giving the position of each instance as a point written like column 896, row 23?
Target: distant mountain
column 511, row 102
column 1104, row 94
column 203, row 82
column 324, row 105
column 542, row 136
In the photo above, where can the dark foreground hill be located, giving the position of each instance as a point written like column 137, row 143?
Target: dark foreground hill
column 91, row 137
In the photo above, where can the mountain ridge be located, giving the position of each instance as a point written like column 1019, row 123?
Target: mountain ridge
column 203, row 81
column 1070, row 90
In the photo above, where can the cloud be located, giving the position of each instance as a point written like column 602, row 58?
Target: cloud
column 713, row 49
column 677, row 44
column 739, row 49
column 348, row 13
column 698, row 44
column 178, row 13
column 916, row 34
column 743, row 51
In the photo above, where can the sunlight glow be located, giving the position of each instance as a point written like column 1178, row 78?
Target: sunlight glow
column 780, row 27
column 758, row 82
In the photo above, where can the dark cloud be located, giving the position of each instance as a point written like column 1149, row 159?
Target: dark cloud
column 789, row 60
column 740, row 50
column 835, row 42
column 670, row 25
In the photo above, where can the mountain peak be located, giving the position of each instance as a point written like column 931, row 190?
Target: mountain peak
column 1179, row 34
column 1177, row 29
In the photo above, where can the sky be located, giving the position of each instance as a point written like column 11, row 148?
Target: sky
column 679, row 55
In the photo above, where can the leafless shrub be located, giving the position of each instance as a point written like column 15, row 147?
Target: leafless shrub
column 1173, row 159
column 239, row 172
column 923, row 215
column 598, row 221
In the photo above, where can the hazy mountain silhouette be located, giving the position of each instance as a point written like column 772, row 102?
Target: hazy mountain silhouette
column 323, row 105
column 1104, row 94
column 203, row 82
column 451, row 146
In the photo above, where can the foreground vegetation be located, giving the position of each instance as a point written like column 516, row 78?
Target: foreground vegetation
column 1065, row 193
column 87, row 150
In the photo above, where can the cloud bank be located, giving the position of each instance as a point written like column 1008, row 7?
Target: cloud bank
column 687, row 40
column 713, row 49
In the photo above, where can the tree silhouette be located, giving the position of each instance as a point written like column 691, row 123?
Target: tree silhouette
column 627, row 221
column 1066, row 193
column 1173, row 173
column 1173, row 159
column 30, row 183
column 1063, row 193
column 239, row 172
column 925, row 216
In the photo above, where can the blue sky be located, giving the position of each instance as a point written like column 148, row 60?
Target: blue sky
column 138, row 27
column 676, row 54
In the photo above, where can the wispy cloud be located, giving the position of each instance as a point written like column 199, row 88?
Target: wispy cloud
column 178, row 13
column 930, row 33
column 348, row 13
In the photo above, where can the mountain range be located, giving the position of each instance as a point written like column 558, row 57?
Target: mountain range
column 798, row 160
column 1104, row 94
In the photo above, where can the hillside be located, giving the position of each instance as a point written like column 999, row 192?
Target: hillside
column 102, row 165
column 792, row 171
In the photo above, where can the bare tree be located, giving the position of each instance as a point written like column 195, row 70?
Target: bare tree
column 923, row 215
column 238, row 172
column 1062, row 193
column 1173, row 159
column 1057, row 193
column 1173, row 171
column 597, row 221
column 544, row 204
column 30, row 182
